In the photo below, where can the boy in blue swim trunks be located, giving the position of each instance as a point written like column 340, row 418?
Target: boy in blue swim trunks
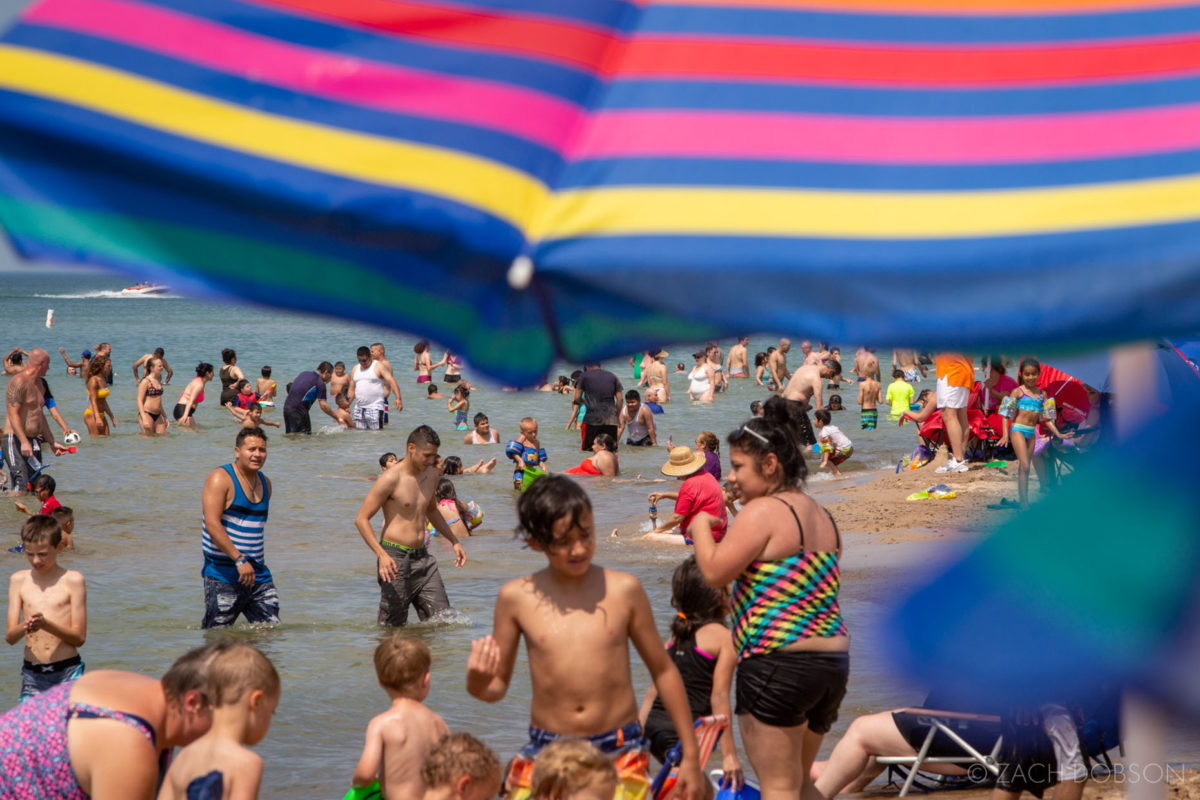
column 582, row 684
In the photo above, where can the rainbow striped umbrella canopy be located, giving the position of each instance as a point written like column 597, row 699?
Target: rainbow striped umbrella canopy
column 973, row 172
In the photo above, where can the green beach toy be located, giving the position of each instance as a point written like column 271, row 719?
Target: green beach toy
column 529, row 475
column 372, row 792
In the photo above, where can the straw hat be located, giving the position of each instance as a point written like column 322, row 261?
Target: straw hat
column 661, row 354
column 683, row 462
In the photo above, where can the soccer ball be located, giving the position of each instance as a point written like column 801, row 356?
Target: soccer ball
column 71, row 438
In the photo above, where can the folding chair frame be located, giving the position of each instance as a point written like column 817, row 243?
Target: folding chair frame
column 937, row 722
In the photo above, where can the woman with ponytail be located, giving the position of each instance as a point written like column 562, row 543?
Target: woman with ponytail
column 781, row 553
column 702, row 650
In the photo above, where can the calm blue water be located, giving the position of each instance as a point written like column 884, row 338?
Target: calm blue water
column 137, row 503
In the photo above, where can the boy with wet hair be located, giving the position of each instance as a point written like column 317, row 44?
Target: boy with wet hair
column 400, row 739
column 264, row 387
column 47, row 606
column 386, row 460
column 461, row 767
column 582, row 683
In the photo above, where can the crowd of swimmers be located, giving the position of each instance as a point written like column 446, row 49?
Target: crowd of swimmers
column 764, row 553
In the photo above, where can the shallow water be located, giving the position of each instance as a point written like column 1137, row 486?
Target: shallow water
column 137, row 503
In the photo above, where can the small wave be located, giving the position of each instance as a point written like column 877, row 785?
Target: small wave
column 329, row 430
column 107, row 293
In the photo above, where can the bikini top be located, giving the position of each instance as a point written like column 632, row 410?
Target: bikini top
column 776, row 603
column 1038, row 404
column 151, row 391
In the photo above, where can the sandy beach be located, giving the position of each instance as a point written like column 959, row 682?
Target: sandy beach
column 879, row 508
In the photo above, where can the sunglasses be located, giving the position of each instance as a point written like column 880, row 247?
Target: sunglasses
column 745, row 428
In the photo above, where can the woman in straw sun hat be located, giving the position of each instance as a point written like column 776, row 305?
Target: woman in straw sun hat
column 699, row 492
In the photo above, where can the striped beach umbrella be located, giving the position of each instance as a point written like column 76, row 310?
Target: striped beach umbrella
column 521, row 179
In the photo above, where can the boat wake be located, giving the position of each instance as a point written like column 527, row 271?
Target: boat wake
column 106, row 293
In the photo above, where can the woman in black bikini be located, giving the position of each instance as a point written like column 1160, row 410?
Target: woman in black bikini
column 149, row 400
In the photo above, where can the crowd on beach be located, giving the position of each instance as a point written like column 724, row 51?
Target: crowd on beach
column 757, row 630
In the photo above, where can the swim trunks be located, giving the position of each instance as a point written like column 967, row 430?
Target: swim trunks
column 21, row 469
column 912, row 375
column 37, row 678
column 223, row 602
column 367, row 419
column 417, row 583
column 785, row 688
column 625, row 747
column 798, row 415
column 869, row 418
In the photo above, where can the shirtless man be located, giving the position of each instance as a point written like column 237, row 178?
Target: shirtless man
column 777, row 362
column 25, row 426
column 654, row 376
column 389, row 378
column 484, row 433
column 408, row 574
column 816, row 356
column 910, row 363
column 802, row 390
column 144, row 360
column 340, row 382
column 737, row 365
column 866, row 363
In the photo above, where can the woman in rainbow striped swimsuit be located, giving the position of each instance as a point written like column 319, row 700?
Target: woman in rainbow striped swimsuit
column 781, row 553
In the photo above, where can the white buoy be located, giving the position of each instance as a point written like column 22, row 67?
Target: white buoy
column 49, row 317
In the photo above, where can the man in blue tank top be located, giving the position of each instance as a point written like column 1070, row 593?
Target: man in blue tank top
column 235, row 500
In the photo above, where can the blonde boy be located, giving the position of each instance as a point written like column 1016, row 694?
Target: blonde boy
column 526, row 452
column 47, row 605
column 243, row 690
column 399, row 739
column 578, row 619
column 460, row 767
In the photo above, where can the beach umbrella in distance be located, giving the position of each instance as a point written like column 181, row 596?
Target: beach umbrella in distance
column 1097, row 583
column 1175, row 379
column 531, row 179
column 1069, row 394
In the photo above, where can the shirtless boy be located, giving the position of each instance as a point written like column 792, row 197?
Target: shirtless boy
column 399, row 739
column 145, row 360
column 461, row 767
column 582, row 684
column 47, row 605
column 408, row 573
column 737, row 365
column 264, row 387
column 870, row 395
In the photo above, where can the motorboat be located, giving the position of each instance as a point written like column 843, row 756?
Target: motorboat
column 145, row 288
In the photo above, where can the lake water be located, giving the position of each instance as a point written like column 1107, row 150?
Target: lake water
column 137, row 505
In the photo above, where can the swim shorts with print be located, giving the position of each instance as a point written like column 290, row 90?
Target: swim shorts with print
column 223, row 602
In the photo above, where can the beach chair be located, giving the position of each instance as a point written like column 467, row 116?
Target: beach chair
column 708, row 731
column 947, row 743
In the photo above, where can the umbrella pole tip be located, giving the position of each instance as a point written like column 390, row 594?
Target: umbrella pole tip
column 520, row 273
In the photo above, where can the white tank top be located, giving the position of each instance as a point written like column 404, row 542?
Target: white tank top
column 635, row 431
column 369, row 389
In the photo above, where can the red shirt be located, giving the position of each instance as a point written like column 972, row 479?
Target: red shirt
column 50, row 504
column 701, row 492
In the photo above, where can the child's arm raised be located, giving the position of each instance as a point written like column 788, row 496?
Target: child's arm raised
column 645, row 638
column 16, row 628
column 490, row 667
